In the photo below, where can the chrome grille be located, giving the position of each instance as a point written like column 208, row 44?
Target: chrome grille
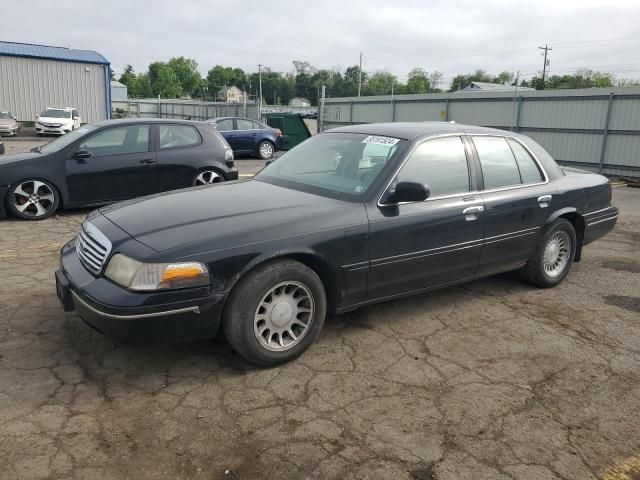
column 93, row 247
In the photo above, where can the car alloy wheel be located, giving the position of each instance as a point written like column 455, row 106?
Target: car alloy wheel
column 207, row 177
column 283, row 316
column 266, row 150
column 34, row 198
column 556, row 253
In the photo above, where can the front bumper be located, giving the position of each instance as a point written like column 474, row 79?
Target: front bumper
column 4, row 130
column 53, row 130
column 133, row 317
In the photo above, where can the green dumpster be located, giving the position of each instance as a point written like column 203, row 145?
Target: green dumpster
column 294, row 130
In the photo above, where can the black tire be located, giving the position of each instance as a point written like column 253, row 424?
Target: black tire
column 32, row 212
column 534, row 271
column 246, row 298
column 262, row 150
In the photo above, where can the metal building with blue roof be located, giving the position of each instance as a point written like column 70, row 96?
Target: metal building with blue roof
column 33, row 77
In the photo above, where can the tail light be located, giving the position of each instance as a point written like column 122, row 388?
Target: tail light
column 228, row 158
column 279, row 133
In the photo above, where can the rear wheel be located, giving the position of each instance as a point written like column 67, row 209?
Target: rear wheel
column 265, row 150
column 553, row 255
column 206, row 177
column 275, row 312
column 33, row 199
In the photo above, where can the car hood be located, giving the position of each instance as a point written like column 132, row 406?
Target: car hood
column 54, row 120
column 229, row 214
column 7, row 121
column 18, row 157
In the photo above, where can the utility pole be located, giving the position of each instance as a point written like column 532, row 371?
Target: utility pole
column 360, row 75
column 260, row 81
column 321, row 111
column 546, row 49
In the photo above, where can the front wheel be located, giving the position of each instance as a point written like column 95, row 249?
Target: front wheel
column 553, row 255
column 33, row 199
column 265, row 150
column 275, row 312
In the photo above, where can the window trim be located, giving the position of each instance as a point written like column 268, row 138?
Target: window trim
column 518, row 163
column 475, row 161
column 113, row 127
column 166, row 149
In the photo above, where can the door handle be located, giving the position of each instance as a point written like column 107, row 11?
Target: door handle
column 544, row 200
column 147, row 161
column 472, row 210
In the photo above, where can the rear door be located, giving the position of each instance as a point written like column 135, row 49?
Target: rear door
column 122, row 165
column 516, row 199
column 417, row 245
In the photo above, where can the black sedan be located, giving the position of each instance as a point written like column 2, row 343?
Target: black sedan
column 249, row 137
column 111, row 161
column 350, row 217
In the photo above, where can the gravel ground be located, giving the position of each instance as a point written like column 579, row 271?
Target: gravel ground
column 490, row 380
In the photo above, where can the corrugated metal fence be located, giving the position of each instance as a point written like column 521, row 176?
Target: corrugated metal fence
column 596, row 129
column 181, row 109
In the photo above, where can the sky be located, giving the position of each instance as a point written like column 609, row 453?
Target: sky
column 449, row 36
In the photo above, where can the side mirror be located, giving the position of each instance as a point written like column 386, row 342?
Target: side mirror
column 406, row 192
column 81, row 154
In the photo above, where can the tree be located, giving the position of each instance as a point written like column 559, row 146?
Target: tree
column 186, row 70
column 380, row 83
column 129, row 79
column 219, row 77
column 418, row 81
column 164, row 81
column 583, row 78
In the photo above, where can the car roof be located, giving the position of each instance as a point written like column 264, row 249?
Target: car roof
column 231, row 118
column 147, row 120
column 411, row 130
column 60, row 108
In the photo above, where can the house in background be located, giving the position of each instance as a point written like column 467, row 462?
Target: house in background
column 231, row 94
column 299, row 102
column 492, row 87
column 119, row 91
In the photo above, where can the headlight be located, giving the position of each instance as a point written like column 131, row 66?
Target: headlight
column 136, row 275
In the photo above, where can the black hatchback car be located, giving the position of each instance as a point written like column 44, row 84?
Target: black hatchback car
column 352, row 216
column 111, row 161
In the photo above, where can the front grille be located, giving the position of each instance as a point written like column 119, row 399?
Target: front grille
column 93, row 247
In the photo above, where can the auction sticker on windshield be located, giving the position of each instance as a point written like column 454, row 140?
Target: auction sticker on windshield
column 375, row 139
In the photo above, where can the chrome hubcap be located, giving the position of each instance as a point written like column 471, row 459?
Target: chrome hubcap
column 207, row 177
column 33, row 198
column 283, row 316
column 556, row 254
column 266, row 150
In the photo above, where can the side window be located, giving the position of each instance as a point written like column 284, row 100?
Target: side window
column 225, row 125
column 245, row 124
column 172, row 136
column 118, row 141
column 529, row 170
column 499, row 168
column 441, row 164
column 257, row 126
column 74, row 113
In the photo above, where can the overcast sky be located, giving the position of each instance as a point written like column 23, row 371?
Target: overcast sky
column 449, row 36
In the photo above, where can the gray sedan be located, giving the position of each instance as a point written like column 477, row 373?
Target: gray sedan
column 8, row 124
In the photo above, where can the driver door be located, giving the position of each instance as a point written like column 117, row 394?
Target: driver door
column 121, row 165
column 417, row 245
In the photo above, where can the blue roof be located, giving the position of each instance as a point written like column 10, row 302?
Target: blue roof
column 13, row 49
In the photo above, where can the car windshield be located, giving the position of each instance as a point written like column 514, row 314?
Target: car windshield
column 335, row 164
column 61, row 142
column 5, row 115
column 51, row 113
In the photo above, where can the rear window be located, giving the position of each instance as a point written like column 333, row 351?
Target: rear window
column 172, row 136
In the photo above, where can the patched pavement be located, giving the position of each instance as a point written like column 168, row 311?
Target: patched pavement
column 490, row 380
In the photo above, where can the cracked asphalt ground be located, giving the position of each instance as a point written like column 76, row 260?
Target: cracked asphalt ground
column 491, row 380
